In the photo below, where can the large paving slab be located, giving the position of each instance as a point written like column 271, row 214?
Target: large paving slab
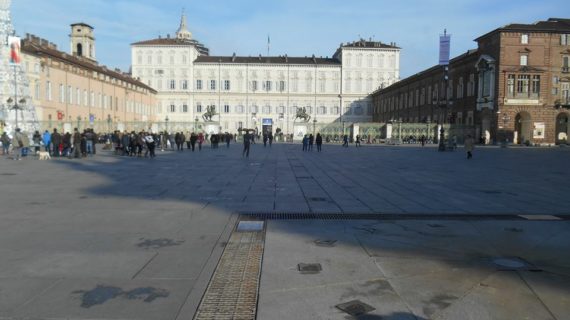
column 410, row 269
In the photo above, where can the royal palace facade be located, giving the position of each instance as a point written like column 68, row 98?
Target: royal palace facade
column 263, row 92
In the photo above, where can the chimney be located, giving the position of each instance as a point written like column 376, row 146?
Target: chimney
column 234, row 57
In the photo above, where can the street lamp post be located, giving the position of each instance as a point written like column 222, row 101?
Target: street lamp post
column 196, row 124
column 16, row 106
column 428, row 128
column 166, row 122
column 314, row 126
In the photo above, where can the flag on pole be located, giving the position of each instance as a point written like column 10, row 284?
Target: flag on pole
column 268, row 44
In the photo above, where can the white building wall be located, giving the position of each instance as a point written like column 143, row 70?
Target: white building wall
column 331, row 93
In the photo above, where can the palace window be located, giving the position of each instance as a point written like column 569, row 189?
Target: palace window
column 212, row 85
column 61, row 93
column 198, row 108
column 511, row 85
column 239, row 109
column 172, row 84
column 172, row 108
column 226, row 109
column 267, row 85
column 254, row 85
column 185, row 108
column 524, row 38
column 524, row 60
column 184, row 84
column 227, row 86
column 565, row 39
column 281, row 85
column 198, row 84
column 267, row 109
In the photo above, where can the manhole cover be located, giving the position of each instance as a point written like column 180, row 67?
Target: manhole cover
column 250, row 226
column 513, row 264
column 355, row 308
column 318, row 199
column 309, row 268
column 325, row 243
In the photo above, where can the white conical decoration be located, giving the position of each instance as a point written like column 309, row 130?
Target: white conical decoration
column 14, row 84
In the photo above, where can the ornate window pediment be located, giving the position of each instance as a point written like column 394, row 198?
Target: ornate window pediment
column 525, row 50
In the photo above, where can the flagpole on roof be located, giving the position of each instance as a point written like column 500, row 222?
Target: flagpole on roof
column 268, row 44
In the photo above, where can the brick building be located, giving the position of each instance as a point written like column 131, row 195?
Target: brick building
column 513, row 86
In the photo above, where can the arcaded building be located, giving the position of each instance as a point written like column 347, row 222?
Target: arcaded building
column 514, row 87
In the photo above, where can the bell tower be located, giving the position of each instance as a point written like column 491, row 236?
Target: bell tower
column 83, row 41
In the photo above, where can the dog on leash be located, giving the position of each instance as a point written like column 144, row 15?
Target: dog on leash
column 44, row 155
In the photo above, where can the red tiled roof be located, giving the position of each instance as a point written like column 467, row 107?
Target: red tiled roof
column 36, row 49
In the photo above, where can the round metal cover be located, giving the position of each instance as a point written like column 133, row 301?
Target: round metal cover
column 509, row 263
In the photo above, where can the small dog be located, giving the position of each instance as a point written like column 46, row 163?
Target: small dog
column 44, row 155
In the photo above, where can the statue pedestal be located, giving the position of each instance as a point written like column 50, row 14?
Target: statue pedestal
column 211, row 127
column 299, row 131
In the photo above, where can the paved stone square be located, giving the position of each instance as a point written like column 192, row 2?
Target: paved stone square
column 127, row 238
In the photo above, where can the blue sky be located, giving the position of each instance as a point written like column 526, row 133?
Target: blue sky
column 296, row 27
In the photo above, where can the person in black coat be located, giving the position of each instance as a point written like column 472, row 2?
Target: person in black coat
column 319, row 141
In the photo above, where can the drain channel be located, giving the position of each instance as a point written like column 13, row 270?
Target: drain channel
column 233, row 290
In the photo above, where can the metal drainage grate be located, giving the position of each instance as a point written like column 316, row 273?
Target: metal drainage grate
column 309, row 268
column 325, row 243
column 372, row 216
column 538, row 217
column 250, row 226
column 355, row 308
column 513, row 264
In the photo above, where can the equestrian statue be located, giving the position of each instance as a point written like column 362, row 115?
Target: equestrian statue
column 210, row 114
column 302, row 114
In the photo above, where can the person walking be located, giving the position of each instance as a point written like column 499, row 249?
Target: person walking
column 311, row 142
column 357, row 144
column 18, row 144
column 305, row 143
column 246, row 144
column 5, row 139
column 46, row 138
column 270, row 137
column 265, row 139
column 193, row 139
column 228, row 140
column 469, row 146
column 56, row 141
column 345, row 141
column 37, row 140
column 319, row 141
column 200, row 141
column 76, row 143
column 150, row 145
